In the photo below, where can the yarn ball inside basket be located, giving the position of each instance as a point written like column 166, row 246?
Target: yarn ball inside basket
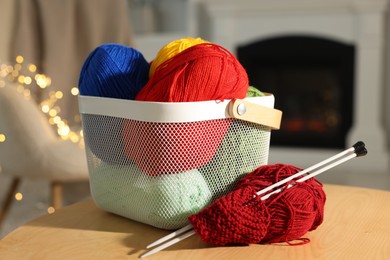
column 103, row 137
column 114, row 71
column 243, row 149
column 111, row 71
column 284, row 217
column 254, row 92
column 171, row 49
column 202, row 72
column 168, row 148
column 163, row 201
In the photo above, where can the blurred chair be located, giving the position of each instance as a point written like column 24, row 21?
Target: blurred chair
column 32, row 149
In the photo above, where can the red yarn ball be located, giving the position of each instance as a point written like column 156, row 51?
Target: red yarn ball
column 202, row 72
column 166, row 148
column 291, row 213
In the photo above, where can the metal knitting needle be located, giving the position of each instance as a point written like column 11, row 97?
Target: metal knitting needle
column 313, row 167
column 169, row 243
column 171, row 235
column 358, row 150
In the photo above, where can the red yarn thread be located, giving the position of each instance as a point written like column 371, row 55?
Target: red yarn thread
column 202, row 72
column 291, row 213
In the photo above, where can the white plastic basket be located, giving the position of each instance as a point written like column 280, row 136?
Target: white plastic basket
column 158, row 163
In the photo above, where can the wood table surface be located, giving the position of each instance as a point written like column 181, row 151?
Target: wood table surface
column 356, row 226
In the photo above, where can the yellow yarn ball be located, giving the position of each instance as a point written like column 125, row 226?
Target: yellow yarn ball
column 171, row 49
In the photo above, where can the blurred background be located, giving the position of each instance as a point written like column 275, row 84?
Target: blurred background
column 326, row 62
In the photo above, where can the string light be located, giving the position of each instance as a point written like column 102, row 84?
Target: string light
column 18, row 196
column 28, row 79
column 25, row 80
column 74, row 91
column 19, row 59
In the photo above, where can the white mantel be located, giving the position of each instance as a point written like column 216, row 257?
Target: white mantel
column 360, row 22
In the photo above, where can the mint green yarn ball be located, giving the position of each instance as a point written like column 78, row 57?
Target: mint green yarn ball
column 164, row 201
column 244, row 148
column 254, row 92
column 177, row 196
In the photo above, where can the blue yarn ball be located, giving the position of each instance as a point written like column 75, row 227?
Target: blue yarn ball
column 114, row 71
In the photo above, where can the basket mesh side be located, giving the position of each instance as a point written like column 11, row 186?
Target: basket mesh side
column 160, row 173
column 244, row 148
column 164, row 148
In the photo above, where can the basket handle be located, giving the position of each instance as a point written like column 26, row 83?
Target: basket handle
column 255, row 113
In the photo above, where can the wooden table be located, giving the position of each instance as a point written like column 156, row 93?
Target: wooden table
column 356, row 226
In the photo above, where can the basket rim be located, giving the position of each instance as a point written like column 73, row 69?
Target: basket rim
column 163, row 112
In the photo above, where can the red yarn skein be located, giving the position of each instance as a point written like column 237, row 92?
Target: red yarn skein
column 296, row 210
column 291, row 213
column 202, row 72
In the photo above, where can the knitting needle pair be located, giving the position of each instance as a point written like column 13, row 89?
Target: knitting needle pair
column 356, row 150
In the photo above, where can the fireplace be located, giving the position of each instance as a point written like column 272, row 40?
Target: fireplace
column 356, row 28
column 313, row 79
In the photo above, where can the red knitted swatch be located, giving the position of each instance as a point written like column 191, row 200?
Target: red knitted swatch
column 238, row 218
column 286, row 216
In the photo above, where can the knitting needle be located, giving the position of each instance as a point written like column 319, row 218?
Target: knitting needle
column 169, row 243
column 173, row 234
column 311, row 168
column 358, row 150
column 343, row 153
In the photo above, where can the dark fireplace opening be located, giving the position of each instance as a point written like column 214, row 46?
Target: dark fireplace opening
column 312, row 80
